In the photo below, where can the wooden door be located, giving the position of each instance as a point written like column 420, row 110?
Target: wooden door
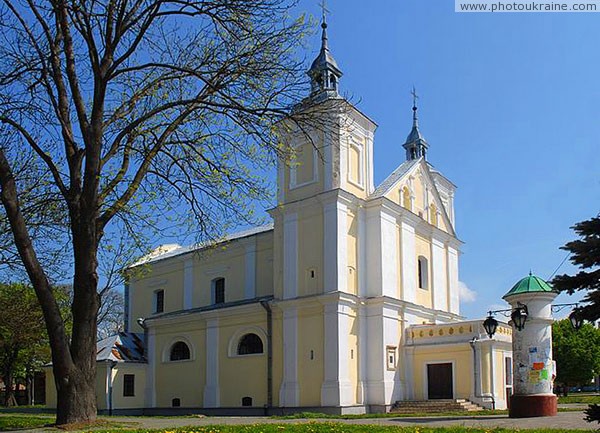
column 439, row 381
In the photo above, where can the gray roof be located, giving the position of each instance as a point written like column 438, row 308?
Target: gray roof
column 396, row 175
column 167, row 251
column 122, row 347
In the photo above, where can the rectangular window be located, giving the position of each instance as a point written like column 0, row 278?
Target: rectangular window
column 220, row 291
column 159, row 301
column 128, row 385
column 391, row 357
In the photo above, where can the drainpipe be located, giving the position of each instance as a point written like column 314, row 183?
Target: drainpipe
column 267, row 306
column 142, row 322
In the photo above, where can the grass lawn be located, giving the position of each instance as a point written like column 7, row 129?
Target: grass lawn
column 13, row 422
column 337, row 428
column 574, row 398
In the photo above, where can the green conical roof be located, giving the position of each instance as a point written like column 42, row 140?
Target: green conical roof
column 529, row 284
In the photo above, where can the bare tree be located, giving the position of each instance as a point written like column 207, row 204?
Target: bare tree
column 133, row 117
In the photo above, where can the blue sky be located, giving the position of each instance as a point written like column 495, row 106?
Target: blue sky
column 509, row 104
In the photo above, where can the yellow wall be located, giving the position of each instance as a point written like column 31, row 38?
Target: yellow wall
column 180, row 379
column 310, row 372
column 460, row 354
column 50, row 388
column 242, row 376
column 310, row 251
column 304, row 163
column 310, row 189
column 137, row 400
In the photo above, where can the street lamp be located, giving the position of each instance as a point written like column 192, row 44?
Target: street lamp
column 519, row 316
column 490, row 325
column 576, row 318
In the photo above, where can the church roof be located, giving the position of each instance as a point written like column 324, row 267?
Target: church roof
column 529, row 284
column 396, row 175
column 121, row 347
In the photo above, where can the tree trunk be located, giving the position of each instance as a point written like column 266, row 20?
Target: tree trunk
column 9, row 392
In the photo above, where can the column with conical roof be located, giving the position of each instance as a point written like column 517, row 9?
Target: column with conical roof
column 531, row 300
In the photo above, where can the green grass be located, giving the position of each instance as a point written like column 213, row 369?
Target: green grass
column 14, row 422
column 315, row 427
column 586, row 399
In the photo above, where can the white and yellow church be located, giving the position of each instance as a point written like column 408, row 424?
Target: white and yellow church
column 347, row 303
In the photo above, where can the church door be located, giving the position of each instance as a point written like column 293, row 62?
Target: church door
column 439, row 381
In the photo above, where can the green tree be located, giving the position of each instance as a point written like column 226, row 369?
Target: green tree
column 121, row 119
column 576, row 352
column 23, row 339
column 585, row 253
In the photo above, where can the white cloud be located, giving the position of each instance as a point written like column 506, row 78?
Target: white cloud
column 466, row 294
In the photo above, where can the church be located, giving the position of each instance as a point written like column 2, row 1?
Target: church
column 347, row 303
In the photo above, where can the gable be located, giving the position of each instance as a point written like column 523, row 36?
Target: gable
column 412, row 186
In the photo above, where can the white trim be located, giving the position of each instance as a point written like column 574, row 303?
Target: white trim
column 426, row 377
column 166, row 352
column 353, row 142
column 237, row 335
column 188, row 283
column 150, row 390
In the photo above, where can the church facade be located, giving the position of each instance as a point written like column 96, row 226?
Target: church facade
column 347, row 303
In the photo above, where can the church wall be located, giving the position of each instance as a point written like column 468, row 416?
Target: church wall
column 423, row 248
column 303, row 188
column 183, row 379
column 310, row 355
column 460, row 355
column 277, row 342
column 310, row 251
column 264, row 266
column 246, row 375
column 353, row 354
column 229, row 262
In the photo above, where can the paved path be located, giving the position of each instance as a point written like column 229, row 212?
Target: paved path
column 564, row 420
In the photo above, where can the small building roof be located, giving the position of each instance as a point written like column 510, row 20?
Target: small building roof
column 529, row 284
column 121, row 347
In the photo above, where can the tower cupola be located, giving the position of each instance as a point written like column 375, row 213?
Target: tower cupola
column 324, row 72
column 415, row 144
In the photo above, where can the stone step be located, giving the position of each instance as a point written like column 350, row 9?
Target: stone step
column 434, row 406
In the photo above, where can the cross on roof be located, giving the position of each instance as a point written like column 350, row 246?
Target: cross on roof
column 415, row 96
column 323, row 5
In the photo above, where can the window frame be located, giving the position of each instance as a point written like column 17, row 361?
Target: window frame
column 248, row 334
column 159, row 294
column 218, row 297
column 422, row 274
column 172, row 347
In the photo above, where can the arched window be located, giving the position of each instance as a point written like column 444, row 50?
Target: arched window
column 406, row 198
column 249, row 344
column 423, row 272
column 176, row 402
column 179, row 351
column 433, row 218
column 246, row 401
column 219, row 290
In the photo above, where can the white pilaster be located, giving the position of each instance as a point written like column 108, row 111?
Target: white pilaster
column 363, row 337
column 409, row 263
column 362, row 252
column 188, row 283
column 328, row 161
column 337, row 387
column 335, row 247
column 438, row 270
column 250, row 276
column 290, row 255
column 389, row 256
column 289, row 393
column 211, row 389
column 453, row 280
